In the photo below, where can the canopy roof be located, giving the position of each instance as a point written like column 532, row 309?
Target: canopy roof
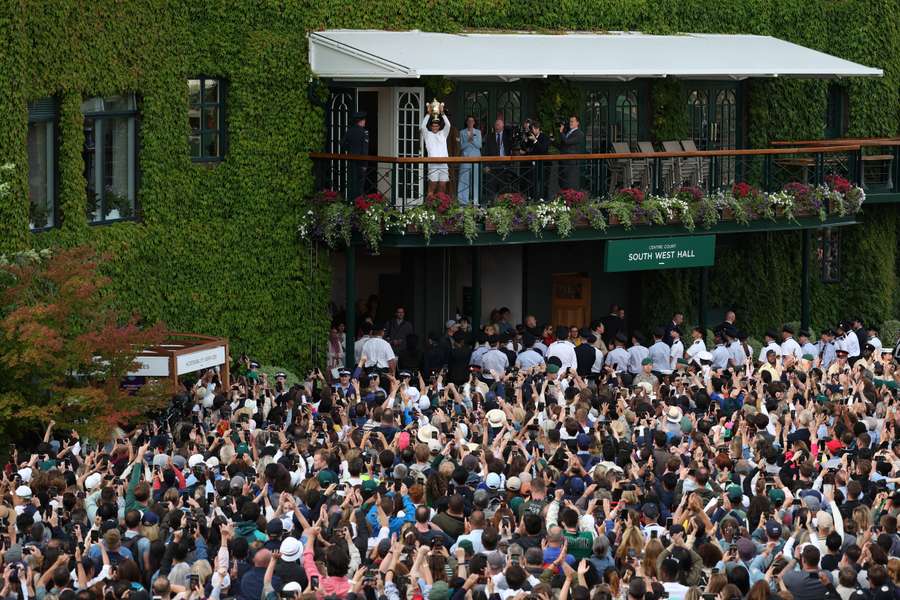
column 378, row 55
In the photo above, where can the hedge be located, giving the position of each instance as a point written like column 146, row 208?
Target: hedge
column 215, row 249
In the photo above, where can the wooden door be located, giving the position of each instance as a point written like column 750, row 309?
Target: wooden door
column 571, row 304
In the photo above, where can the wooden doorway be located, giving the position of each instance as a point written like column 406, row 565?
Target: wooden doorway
column 571, row 304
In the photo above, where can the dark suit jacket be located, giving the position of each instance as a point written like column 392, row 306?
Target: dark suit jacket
column 490, row 148
column 541, row 145
column 574, row 143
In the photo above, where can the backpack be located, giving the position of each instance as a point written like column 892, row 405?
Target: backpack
column 132, row 545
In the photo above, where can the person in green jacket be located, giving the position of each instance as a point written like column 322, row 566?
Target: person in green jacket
column 138, row 492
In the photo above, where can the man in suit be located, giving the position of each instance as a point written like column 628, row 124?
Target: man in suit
column 571, row 141
column 537, row 144
column 497, row 143
column 356, row 141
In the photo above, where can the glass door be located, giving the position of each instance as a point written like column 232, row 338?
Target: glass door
column 713, row 124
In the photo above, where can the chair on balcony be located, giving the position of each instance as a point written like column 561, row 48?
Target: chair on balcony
column 701, row 165
column 686, row 169
column 624, row 172
column 667, row 166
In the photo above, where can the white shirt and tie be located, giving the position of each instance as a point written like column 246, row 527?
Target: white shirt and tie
column 696, row 348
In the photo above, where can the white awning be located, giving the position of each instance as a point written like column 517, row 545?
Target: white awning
column 368, row 55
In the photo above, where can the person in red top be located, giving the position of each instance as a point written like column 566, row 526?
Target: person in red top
column 340, row 559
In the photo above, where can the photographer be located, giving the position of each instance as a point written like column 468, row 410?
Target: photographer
column 536, row 143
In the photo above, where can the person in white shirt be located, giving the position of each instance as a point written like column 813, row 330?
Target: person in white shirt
column 677, row 350
column 564, row 350
column 874, row 339
column 618, row 356
column 636, row 353
column 806, row 346
column 698, row 345
column 771, row 344
column 789, row 345
column 659, row 352
column 847, row 340
column 434, row 138
column 378, row 352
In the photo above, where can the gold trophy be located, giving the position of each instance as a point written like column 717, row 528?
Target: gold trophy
column 436, row 109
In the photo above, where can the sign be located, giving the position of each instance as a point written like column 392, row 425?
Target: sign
column 201, row 359
column 151, row 366
column 647, row 254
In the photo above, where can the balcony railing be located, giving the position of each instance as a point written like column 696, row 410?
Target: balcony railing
column 878, row 161
column 480, row 180
column 578, row 196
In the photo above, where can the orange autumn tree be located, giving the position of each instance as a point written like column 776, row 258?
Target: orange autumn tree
column 64, row 346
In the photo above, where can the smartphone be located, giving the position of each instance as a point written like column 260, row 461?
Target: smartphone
column 434, row 435
column 514, row 559
column 313, row 582
column 95, row 536
column 194, row 580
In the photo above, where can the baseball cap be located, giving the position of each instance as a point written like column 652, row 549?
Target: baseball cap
column 513, row 484
column 492, row 481
column 773, row 528
column 291, row 586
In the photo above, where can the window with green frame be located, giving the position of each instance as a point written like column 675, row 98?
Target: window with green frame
column 612, row 114
column 110, row 156
column 42, row 118
column 206, row 114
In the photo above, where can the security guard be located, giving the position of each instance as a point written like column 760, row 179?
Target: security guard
column 356, row 141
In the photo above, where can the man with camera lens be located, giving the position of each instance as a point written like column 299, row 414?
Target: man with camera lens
column 535, row 143
column 571, row 141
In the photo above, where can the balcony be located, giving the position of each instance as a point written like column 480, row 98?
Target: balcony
column 378, row 200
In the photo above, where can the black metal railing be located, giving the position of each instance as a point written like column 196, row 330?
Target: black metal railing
column 479, row 180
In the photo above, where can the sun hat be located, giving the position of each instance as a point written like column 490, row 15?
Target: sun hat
column 496, row 417
column 290, row 549
column 673, row 415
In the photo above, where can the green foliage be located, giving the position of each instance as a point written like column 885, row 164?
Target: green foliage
column 64, row 347
column 670, row 113
column 215, row 248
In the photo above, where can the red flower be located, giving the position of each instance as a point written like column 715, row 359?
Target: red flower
column 838, row 183
column 691, row 191
column 511, row 199
column 797, row 189
column 362, row 203
column 572, row 197
column 741, row 190
column 439, row 202
column 636, row 194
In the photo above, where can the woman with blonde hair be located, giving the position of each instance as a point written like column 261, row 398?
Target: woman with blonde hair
column 651, row 553
column 631, row 546
column 862, row 518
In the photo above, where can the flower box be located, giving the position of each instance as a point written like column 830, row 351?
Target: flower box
column 490, row 226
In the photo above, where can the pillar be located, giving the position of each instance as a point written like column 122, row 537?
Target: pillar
column 350, row 291
column 701, row 299
column 804, row 281
column 476, row 289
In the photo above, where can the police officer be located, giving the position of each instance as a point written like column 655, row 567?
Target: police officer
column 356, row 141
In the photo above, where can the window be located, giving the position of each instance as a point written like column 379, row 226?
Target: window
column 207, row 119
column 110, row 157
column 837, row 112
column 42, row 163
column 829, row 255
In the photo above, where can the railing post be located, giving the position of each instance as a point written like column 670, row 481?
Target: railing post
column 819, row 173
column 767, row 173
column 657, row 175
column 394, row 184
column 895, row 166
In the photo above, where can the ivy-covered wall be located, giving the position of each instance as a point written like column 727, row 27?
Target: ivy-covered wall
column 216, row 250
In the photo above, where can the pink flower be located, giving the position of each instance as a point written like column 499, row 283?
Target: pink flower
column 636, row 194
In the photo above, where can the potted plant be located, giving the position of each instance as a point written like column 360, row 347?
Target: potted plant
column 504, row 214
column 623, row 205
column 369, row 213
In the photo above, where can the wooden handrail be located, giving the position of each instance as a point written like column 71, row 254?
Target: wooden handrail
column 565, row 157
column 882, row 141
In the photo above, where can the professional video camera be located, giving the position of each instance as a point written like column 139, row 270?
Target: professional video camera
column 521, row 136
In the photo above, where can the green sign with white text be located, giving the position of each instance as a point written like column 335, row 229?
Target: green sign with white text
column 647, row 254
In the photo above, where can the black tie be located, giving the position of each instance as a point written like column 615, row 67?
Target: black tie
column 499, row 144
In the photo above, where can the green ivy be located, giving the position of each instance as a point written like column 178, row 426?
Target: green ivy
column 215, row 248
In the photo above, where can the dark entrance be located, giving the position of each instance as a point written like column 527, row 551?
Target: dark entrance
column 368, row 102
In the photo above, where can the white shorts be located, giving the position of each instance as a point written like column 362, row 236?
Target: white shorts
column 438, row 172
